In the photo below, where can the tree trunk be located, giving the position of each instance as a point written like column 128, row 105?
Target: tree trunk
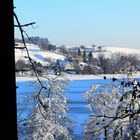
column 7, row 71
column 105, row 131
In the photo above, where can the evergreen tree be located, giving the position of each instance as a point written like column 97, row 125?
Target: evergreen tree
column 90, row 58
column 57, row 68
column 79, row 52
column 84, row 57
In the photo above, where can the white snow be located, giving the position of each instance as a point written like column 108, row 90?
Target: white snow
column 54, row 56
column 123, row 50
column 78, row 77
column 109, row 51
column 90, row 77
column 35, row 50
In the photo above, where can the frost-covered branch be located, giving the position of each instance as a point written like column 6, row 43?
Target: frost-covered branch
column 114, row 111
column 49, row 118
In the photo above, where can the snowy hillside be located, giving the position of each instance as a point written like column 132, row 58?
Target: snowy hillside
column 123, row 50
column 44, row 57
column 108, row 51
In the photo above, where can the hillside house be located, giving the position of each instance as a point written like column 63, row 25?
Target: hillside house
column 66, row 65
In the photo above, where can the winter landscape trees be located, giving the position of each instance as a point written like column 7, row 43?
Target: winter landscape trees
column 48, row 120
column 115, row 110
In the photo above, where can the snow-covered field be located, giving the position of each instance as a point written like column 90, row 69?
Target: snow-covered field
column 123, row 50
column 78, row 77
column 109, row 51
column 36, row 54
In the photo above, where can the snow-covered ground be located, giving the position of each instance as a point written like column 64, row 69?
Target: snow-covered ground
column 90, row 77
column 79, row 77
column 37, row 54
column 123, row 50
column 109, row 51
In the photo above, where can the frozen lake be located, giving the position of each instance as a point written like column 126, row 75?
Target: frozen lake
column 76, row 103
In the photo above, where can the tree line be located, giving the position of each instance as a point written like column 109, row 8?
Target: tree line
column 103, row 64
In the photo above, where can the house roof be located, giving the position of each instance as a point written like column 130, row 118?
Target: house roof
column 63, row 63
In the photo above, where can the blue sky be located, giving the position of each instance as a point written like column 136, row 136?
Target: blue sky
column 113, row 23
